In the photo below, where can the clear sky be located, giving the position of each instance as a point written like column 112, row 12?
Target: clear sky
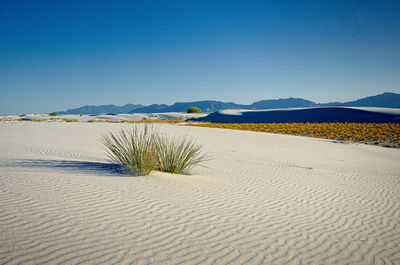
column 58, row 54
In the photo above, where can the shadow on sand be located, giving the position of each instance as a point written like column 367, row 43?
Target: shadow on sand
column 80, row 167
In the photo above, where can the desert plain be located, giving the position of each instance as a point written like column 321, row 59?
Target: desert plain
column 260, row 199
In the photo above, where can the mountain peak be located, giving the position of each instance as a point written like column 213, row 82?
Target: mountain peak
column 385, row 100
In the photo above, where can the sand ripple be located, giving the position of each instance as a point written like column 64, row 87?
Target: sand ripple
column 262, row 199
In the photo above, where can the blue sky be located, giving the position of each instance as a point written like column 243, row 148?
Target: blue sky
column 60, row 54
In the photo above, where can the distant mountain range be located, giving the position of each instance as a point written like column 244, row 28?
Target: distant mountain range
column 102, row 109
column 385, row 100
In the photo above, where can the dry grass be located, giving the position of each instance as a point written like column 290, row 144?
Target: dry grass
column 97, row 120
column 106, row 121
column 158, row 121
column 384, row 134
column 140, row 121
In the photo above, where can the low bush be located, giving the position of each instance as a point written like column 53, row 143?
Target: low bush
column 143, row 150
column 194, row 110
column 53, row 114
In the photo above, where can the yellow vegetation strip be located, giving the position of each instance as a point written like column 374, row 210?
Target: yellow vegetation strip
column 384, row 134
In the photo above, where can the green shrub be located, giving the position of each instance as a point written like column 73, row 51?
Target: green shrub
column 178, row 155
column 143, row 150
column 194, row 110
column 53, row 114
column 135, row 148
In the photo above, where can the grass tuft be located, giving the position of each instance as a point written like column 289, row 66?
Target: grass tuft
column 134, row 148
column 143, row 150
column 178, row 155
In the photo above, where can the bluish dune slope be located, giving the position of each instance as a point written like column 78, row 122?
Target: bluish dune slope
column 325, row 114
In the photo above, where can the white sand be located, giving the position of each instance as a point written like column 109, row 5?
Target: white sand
column 102, row 117
column 263, row 199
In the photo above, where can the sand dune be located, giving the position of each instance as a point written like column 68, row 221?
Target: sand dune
column 261, row 199
column 325, row 114
column 104, row 117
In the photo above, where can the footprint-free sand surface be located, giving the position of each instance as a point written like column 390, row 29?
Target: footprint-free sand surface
column 260, row 199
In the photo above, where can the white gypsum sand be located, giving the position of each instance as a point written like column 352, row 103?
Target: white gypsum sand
column 261, row 199
column 104, row 117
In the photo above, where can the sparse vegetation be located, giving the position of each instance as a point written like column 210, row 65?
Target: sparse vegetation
column 53, row 114
column 97, row 120
column 194, row 110
column 107, row 121
column 158, row 121
column 385, row 134
column 178, row 155
column 143, row 150
column 135, row 148
column 140, row 121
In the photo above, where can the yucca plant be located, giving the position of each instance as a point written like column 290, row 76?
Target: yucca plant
column 178, row 155
column 135, row 148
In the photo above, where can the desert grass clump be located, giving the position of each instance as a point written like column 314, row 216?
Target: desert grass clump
column 53, row 114
column 178, row 155
column 144, row 149
column 135, row 148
